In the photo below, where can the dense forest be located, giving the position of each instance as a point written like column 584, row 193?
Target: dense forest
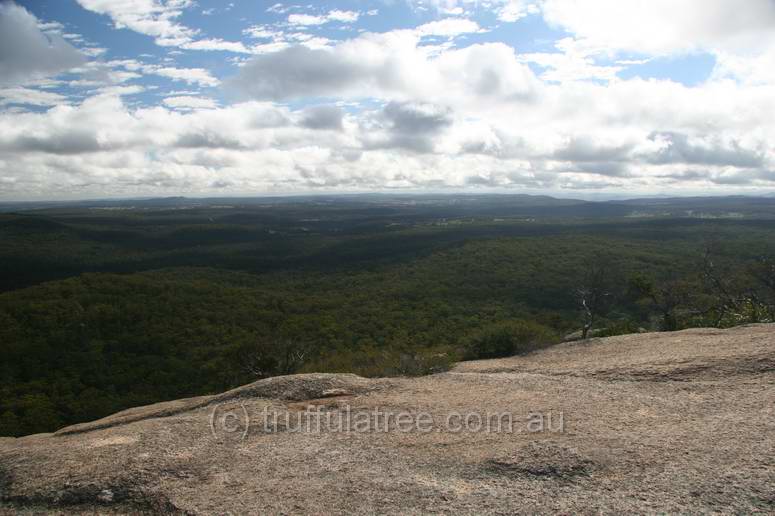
column 109, row 305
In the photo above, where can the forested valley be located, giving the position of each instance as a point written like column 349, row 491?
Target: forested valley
column 110, row 305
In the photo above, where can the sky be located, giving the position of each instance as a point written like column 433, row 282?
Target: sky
column 576, row 98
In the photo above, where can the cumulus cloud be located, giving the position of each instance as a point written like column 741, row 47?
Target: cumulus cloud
column 682, row 148
column 662, row 27
column 404, row 144
column 584, row 149
column 295, row 72
column 26, row 53
column 322, row 117
column 410, row 125
column 207, row 139
column 738, row 37
column 753, row 69
column 66, row 130
column 66, row 142
column 412, row 108
column 416, row 118
column 385, row 65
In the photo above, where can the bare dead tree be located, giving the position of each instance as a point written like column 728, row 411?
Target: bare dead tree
column 295, row 352
column 256, row 360
column 763, row 274
column 667, row 297
column 594, row 294
column 734, row 294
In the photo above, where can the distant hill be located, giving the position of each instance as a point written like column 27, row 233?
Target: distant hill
column 438, row 204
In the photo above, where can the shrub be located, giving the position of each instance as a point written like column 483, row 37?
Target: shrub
column 509, row 338
column 619, row 327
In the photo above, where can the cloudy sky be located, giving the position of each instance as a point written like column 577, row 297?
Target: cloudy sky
column 125, row 98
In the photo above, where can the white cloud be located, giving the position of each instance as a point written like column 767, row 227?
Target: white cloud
column 480, row 130
column 570, row 64
column 94, row 51
column 322, row 117
column 448, row 27
column 343, row 16
column 332, row 16
column 400, row 110
column 663, row 27
column 31, row 97
column 190, row 102
column 306, row 19
column 740, row 37
column 157, row 18
column 754, row 70
column 514, row 10
column 52, row 26
column 120, row 90
column 190, row 75
column 446, row 7
column 26, row 53
column 150, row 17
column 217, row 44
column 263, row 32
column 386, row 65
column 508, row 11
column 277, row 8
column 280, row 39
